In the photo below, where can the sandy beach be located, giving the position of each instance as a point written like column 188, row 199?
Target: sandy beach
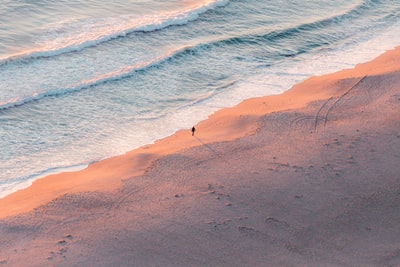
column 310, row 177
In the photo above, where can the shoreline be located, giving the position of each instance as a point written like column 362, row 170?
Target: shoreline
column 108, row 175
column 309, row 177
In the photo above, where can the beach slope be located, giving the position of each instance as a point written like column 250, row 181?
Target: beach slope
column 307, row 178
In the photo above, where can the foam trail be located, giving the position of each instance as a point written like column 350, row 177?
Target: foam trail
column 122, row 73
column 73, row 38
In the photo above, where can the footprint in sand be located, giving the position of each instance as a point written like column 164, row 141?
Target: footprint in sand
column 62, row 242
column 68, row 236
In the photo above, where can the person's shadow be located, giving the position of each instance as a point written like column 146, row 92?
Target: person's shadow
column 207, row 146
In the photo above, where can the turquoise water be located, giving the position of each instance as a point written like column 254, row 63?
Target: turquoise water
column 81, row 81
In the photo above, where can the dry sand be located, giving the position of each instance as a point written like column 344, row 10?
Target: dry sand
column 307, row 178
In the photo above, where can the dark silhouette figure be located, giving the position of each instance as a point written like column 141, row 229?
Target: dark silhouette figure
column 193, row 130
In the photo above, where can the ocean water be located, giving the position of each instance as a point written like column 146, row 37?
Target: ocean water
column 84, row 80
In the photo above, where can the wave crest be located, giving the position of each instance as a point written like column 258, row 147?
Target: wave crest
column 77, row 36
column 116, row 75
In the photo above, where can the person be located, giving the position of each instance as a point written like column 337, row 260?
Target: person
column 193, row 130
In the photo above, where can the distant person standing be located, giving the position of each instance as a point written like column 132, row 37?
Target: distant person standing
column 193, row 130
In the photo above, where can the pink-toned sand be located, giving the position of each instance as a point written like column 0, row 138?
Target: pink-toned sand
column 307, row 178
